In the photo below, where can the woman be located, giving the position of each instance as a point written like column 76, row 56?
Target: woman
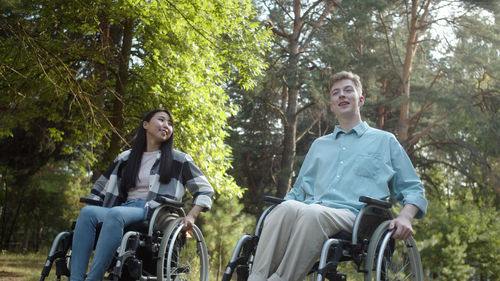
column 128, row 190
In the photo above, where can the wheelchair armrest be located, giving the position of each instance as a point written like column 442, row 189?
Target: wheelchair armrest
column 170, row 202
column 90, row 201
column 374, row 201
column 272, row 199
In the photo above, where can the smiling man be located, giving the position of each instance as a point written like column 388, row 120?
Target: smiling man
column 355, row 160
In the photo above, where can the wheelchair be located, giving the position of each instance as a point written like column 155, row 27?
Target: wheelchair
column 155, row 249
column 370, row 246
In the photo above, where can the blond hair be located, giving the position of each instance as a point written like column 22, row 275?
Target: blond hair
column 342, row 75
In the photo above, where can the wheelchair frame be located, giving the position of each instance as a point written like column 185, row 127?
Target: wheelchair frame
column 369, row 246
column 165, row 244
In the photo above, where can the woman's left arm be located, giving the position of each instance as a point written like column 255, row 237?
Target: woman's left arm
column 190, row 218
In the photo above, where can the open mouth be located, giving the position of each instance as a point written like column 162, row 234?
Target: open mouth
column 343, row 103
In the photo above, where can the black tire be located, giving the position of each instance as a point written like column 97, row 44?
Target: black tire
column 391, row 259
column 182, row 255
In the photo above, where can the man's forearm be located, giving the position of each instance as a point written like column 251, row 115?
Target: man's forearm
column 409, row 211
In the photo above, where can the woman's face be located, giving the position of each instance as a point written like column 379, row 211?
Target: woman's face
column 160, row 128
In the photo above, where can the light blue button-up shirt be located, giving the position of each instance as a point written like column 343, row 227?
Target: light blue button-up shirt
column 342, row 166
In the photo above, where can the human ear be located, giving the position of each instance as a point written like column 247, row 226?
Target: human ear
column 361, row 100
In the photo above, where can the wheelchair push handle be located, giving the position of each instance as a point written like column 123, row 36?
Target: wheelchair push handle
column 374, row 201
column 272, row 199
column 89, row 201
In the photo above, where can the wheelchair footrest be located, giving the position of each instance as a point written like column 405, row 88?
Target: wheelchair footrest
column 330, row 273
column 242, row 272
column 336, row 277
column 134, row 267
column 62, row 268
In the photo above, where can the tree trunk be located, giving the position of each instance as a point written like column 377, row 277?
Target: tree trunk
column 11, row 222
column 382, row 108
column 292, row 86
column 116, row 119
column 417, row 25
column 290, row 124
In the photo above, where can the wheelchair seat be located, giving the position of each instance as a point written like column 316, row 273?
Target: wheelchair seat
column 343, row 235
column 151, row 249
column 140, row 226
column 370, row 246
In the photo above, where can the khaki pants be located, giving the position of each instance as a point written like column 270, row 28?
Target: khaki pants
column 292, row 238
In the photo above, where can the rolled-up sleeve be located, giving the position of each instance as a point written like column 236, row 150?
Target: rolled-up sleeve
column 406, row 186
column 197, row 184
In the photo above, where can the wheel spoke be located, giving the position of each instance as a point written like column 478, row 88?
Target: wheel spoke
column 184, row 256
column 390, row 259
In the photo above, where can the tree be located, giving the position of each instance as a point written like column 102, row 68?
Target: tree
column 297, row 26
column 82, row 73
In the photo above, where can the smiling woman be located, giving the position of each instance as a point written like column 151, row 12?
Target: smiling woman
column 159, row 129
column 128, row 190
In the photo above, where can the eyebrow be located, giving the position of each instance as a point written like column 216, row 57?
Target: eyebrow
column 336, row 89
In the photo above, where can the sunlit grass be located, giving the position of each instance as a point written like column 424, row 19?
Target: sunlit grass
column 27, row 267
column 22, row 267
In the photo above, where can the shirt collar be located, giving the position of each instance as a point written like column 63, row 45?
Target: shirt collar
column 359, row 129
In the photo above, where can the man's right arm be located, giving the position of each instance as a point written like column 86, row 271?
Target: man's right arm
column 406, row 186
column 402, row 223
column 305, row 180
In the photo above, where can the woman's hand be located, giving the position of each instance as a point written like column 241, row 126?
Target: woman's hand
column 190, row 218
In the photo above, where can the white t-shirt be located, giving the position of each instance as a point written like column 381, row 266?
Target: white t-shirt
column 141, row 189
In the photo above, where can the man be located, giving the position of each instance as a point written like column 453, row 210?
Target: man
column 354, row 160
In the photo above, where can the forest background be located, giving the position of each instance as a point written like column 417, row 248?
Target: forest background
column 247, row 82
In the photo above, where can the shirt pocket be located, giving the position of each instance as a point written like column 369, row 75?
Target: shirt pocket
column 367, row 166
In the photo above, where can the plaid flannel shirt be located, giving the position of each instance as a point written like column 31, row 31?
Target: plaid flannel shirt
column 185, row 174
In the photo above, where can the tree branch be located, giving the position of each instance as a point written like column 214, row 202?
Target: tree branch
column 305, row 43
column 415, row 138
column 387, row 39
column 304, row 108
column 299, row 137
column 269, row 24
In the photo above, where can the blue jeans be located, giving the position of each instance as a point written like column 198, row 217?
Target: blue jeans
column 113, row 221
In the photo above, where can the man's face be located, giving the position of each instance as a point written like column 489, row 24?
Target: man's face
column 344, row 99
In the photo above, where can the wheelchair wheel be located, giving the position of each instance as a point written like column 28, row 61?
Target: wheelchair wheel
column 392, row 259
column 182, row 255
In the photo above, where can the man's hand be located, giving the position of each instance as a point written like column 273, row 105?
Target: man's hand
column 402, row 223
column 190, row 218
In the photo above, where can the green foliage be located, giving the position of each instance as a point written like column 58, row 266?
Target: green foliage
column 459, row 240
column 80, row 75
column 454, row 107
column 224, row 225
column 47, row 204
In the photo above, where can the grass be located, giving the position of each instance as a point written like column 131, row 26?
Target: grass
column 22, row 267
column 27, row 267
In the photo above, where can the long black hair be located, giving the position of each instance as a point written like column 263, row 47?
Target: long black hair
column 131, row 170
